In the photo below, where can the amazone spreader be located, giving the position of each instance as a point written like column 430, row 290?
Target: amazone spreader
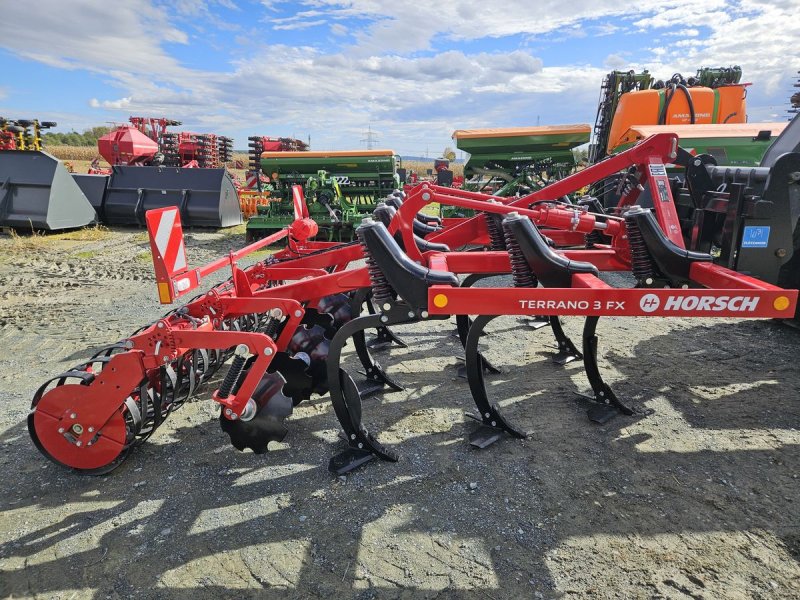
column 282, row 323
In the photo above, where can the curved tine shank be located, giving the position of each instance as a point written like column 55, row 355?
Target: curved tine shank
column 607, row 405
column 346, row 401
column 567, row 351
column 493, row 423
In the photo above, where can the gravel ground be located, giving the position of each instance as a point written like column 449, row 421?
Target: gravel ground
column 698, row 499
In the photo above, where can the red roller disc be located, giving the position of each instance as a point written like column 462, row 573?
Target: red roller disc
column 98, row 449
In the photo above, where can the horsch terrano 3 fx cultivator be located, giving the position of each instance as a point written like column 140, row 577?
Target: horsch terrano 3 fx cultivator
column 284, row 321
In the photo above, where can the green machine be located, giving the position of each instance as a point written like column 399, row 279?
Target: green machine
column 506, row 161
column 341, row 187
column 738, row 145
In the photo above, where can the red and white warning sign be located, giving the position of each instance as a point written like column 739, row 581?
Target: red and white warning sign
column 168, row 239
column 169, row 253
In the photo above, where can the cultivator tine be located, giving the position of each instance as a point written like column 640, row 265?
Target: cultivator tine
column 538, row 322
column 567, row 352
column 376, row 377
column 362, row 445
column 463, row 323
column 493, row 424
column 385, row 337
column 346, row 399
column 605, row 404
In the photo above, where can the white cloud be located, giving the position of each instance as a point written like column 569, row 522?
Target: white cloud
column 392, row 73
column 300, row 25
column 122, row 103
column 615, row 61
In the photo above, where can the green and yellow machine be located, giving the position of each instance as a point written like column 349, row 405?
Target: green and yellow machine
column 341, row 187
column 740, row 144
column 505, row 161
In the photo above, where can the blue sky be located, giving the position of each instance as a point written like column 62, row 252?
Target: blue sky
column 413, row 73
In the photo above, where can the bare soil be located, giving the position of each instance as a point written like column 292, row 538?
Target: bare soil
column 698, row 499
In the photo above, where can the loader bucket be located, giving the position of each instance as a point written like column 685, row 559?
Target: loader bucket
column 205, row 197
column 94, row 188
column 37, row 192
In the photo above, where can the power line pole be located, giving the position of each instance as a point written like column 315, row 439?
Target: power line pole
column 370, row 138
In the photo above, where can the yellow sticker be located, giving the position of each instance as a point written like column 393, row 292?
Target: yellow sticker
column 781, row 303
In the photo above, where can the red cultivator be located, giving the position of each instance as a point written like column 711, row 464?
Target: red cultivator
column 286, row 320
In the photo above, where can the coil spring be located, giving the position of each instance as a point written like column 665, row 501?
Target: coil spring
column 521, row 271
column 271, row 328
column 594, row 237
column 497, row 240
column 382, row 292
column 641, row 262
column 232, row 376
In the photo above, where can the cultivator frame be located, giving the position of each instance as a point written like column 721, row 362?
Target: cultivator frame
column 286, row 320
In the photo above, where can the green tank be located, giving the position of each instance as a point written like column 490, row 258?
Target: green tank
column 737, row 145
column 341, row 187
column 504, row 161
column 511, row 150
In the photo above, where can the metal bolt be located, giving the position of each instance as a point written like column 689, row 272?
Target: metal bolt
column 488, row 415
column 228, row 412
column 166, row 359
column 697, row 162
column 411, row 314
column 384, row 319
column 601, row 394
column 780, row 252
column 60, row 430
column 241, row 350
column 160, row 325
column 91, row 429
column 268, row 351
column 73, row 416
column 298, row 313
column 424, row 314
column 426, row 196
column 352, row 436
column 79, row 443
column 494, row 423
column 387, row 306
column 360, row 445
column 77, row 428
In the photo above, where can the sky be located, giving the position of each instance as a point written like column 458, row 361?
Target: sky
column 411, row 73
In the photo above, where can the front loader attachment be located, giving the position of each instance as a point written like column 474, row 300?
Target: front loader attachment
column 37, row 192
column 94, row 188
column 205, row 197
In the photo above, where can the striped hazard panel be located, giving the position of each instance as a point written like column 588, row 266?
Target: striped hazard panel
column 166, row 243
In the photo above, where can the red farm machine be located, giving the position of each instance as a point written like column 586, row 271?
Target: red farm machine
column 152, row 167
column 284, row 321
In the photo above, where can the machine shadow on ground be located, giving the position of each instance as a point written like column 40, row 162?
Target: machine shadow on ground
column 576, row 507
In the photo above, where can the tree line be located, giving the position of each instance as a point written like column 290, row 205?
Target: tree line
column 73, row 138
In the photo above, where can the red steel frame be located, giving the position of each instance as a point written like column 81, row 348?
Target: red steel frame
column 318, row 269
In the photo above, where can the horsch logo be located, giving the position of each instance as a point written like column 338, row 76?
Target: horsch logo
column 651, row 303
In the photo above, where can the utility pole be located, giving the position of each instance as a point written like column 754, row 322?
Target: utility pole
column 370, row 138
